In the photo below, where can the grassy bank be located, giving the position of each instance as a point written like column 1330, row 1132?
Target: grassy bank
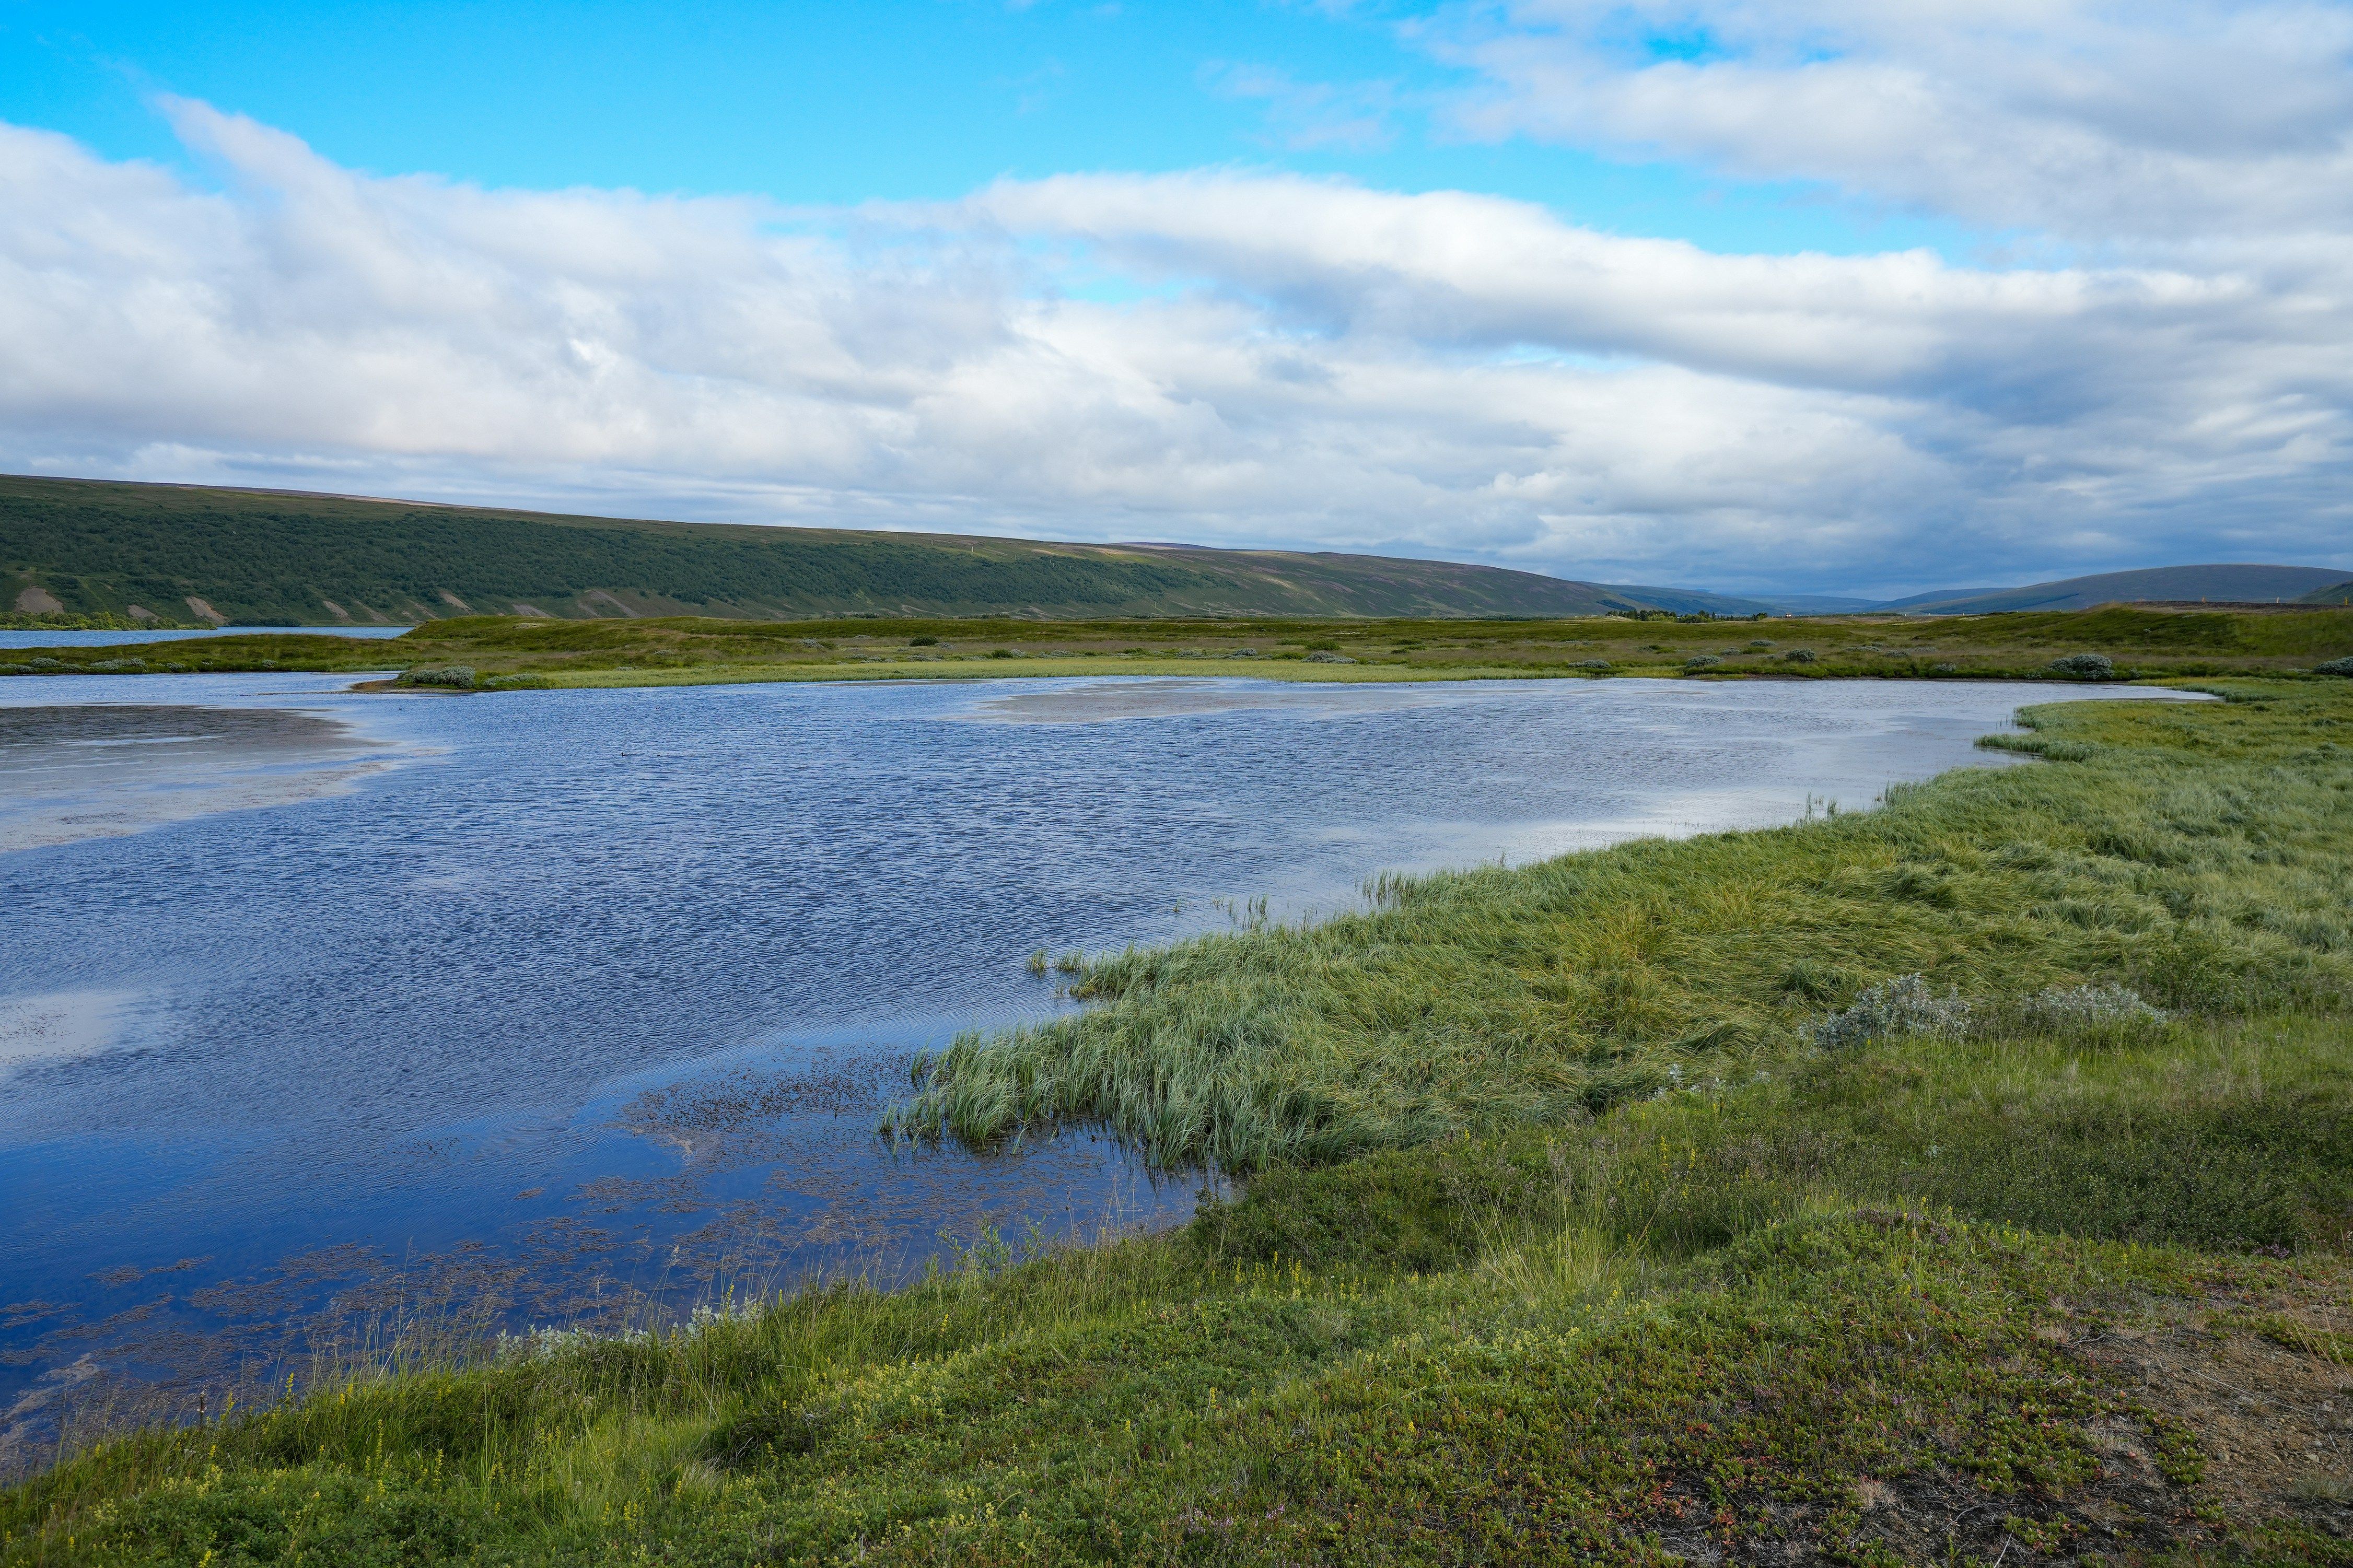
column 685, row 650
column 2199, row 856
column 1573, row 1235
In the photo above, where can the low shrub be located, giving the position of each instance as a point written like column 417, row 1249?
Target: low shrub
column 2083, row 667
column 2336, row 667
column 458, row 676
column 1904, row 1006
column 2089, row 1009
column 1701, row 661
column 1799, row 655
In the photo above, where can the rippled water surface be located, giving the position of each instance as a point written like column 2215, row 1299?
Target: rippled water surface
column 317, row 1002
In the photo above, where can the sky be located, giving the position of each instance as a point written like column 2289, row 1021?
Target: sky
column 1813, row 296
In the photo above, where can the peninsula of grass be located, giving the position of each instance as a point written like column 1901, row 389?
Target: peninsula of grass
column 1967, row 1181
column 2136, row 643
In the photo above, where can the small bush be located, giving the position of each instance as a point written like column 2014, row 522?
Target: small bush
column 1323, row 646
column 1600, row 664
column 1799, row 655
column 1901, row 1007
column 2090, row 1010
column 2336, row 667
column 1002, row 653
column 1701, row 661
column 2083, row 667
column 1760, row 644
column 458, row 676
column 1322, row 656
column 923, row 642
column 118, row 667
column 1944, row 670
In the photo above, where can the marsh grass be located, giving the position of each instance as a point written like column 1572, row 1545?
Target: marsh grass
column 2197, row 858
column 1565, row 1241
column 1707, row 1319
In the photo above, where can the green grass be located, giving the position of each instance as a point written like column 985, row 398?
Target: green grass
column 2199, row 856
column 1562, row 1242
column 691, row 650
column 1733, row 1317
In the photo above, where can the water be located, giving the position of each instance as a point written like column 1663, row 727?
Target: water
column 40, row 637
column 317, row 1004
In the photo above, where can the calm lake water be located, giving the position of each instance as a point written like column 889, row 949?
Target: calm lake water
column 39, row 638
column 316, row 1006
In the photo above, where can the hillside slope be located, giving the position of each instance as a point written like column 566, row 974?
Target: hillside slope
column 188, row 553
column 2338, row 594
column 2167, row 585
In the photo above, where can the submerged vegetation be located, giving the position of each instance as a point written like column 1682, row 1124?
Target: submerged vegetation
column 1968, row 1181
column 2120, row 643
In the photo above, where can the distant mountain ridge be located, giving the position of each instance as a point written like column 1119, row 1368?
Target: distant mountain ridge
column 186, row 553
column 2219, row 584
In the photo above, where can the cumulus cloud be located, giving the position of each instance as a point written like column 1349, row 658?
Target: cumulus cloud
column 2092, row 120
column 1230, row 357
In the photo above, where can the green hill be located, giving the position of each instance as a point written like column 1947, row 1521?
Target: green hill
column 2341, row 593
column 188, row 553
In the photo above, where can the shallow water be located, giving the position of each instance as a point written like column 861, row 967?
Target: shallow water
column 39, row 638
column 342, row 1003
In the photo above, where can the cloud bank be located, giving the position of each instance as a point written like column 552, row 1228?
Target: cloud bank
column 1249, row 357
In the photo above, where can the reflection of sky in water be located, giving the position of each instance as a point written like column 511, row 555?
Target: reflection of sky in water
column 586, row 987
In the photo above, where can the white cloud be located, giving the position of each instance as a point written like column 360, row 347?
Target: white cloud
column 2094, row 119
column 1226, row 357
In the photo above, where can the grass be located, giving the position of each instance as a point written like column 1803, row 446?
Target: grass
column 2198, row 857
column 2138, row 644
column 1565, row 1239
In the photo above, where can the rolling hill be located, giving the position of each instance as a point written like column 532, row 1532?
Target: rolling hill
column 2340, row 594
column 2159, row 584
column 189, row 553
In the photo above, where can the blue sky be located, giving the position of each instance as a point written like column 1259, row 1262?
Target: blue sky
column 1818, row 295
column 890, row 100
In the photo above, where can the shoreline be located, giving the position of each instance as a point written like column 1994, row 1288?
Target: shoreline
column 1906, row 1183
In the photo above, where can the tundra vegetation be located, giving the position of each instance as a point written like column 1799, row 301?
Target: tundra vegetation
column 2117, row 642
column 1966, row 1181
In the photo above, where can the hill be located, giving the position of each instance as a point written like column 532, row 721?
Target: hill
column 189, row 553
column 2160, row 584
column 2341, row 593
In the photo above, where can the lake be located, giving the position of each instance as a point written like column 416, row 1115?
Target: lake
column 41, row 636
column 321, row 1009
